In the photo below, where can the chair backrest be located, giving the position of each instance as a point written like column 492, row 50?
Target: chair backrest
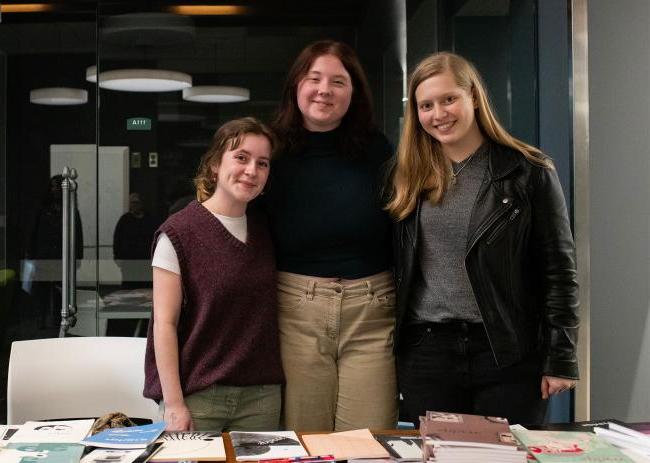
column 77, row 378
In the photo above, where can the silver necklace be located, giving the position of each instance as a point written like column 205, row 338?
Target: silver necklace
column 463, row 164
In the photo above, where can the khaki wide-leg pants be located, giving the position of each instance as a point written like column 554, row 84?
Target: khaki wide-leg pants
column 337, row 342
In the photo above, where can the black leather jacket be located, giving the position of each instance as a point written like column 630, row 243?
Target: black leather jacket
column 520, row 260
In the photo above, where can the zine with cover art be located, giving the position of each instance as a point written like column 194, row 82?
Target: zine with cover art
column 104, row 455
column 191, row 446
column 266, row 445
column 568, row 446
column 134, row 437
column 41, row 453
column 345, row 445
column 58, row 432
column 403, row 448
column 462, row 429
column 112, row 456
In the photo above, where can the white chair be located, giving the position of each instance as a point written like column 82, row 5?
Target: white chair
column 77, row 378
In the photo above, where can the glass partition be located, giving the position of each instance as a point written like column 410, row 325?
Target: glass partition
column 129, row 94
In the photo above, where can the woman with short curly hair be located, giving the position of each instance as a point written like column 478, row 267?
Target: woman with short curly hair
column 213, row 358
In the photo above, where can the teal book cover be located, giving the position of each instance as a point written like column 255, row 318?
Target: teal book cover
column 41, row 453
column 568, row 446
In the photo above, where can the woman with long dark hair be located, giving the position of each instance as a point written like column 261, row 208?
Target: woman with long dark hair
column 486, row 274
column 332, row 243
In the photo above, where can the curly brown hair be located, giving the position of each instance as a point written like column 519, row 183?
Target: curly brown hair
column 228, row 137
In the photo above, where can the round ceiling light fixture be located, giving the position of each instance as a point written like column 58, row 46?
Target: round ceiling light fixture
column 91, row 73
column 141, row 80
column 148, row 29
column 58, row 96
column 216, row 94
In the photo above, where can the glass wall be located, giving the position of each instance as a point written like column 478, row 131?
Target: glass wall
column 135, row 136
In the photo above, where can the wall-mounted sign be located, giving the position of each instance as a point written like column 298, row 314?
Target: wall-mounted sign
column 138, row 123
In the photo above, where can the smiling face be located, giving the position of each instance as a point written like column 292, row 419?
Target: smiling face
column 324, row 94
column 446, row 112
column 241, row 175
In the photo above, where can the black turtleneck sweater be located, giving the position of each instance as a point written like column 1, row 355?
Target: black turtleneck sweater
column 325, row 209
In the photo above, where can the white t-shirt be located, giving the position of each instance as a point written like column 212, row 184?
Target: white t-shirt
column 164, row 256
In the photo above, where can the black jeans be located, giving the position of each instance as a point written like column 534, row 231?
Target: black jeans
column 449, row 367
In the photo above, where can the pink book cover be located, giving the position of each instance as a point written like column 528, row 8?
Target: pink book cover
column 463, row 429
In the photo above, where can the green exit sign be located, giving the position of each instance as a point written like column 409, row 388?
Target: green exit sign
column 138, row 123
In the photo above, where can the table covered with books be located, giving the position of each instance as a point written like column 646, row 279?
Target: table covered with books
column 442, row 437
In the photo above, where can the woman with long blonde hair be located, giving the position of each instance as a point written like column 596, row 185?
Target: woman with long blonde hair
column 487, row 296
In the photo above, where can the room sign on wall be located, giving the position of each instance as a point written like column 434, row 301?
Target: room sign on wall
column 138, row 123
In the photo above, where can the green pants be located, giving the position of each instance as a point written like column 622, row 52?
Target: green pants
column 235, row 408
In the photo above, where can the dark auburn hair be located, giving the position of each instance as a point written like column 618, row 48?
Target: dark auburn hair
column 357, row 124
column 227, row 137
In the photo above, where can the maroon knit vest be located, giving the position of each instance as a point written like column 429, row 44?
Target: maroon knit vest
column 228, row 327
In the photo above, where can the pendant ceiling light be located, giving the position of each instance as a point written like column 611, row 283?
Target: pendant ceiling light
column 216, row 94
column 140, row 80
column 58, row 96
column 91, row 73
column 151, row 29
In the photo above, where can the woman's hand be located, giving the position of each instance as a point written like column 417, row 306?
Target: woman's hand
column 552, row 385
column 178, row 418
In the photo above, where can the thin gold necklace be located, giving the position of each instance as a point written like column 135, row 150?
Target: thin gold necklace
column 463, row 164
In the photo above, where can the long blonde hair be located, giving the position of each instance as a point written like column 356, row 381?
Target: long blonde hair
column 421, row 166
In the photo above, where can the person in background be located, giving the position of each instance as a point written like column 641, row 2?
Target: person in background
column 132, row 243
column 332, row 241
column 213, row 354
column 487, row 296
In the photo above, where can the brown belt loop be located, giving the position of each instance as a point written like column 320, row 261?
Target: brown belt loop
column 310, row 290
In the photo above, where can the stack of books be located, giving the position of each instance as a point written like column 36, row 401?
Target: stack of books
column 460, row 438
column 569, row 446
column 635, row 444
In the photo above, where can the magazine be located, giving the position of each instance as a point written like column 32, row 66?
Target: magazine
column 191, row 446
column 345, row 445
column 134, row 437
column 266, row 445
column 568, row 446
column 41, row 452
column 404, row 448
column 112, row 456
column 58, row 432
